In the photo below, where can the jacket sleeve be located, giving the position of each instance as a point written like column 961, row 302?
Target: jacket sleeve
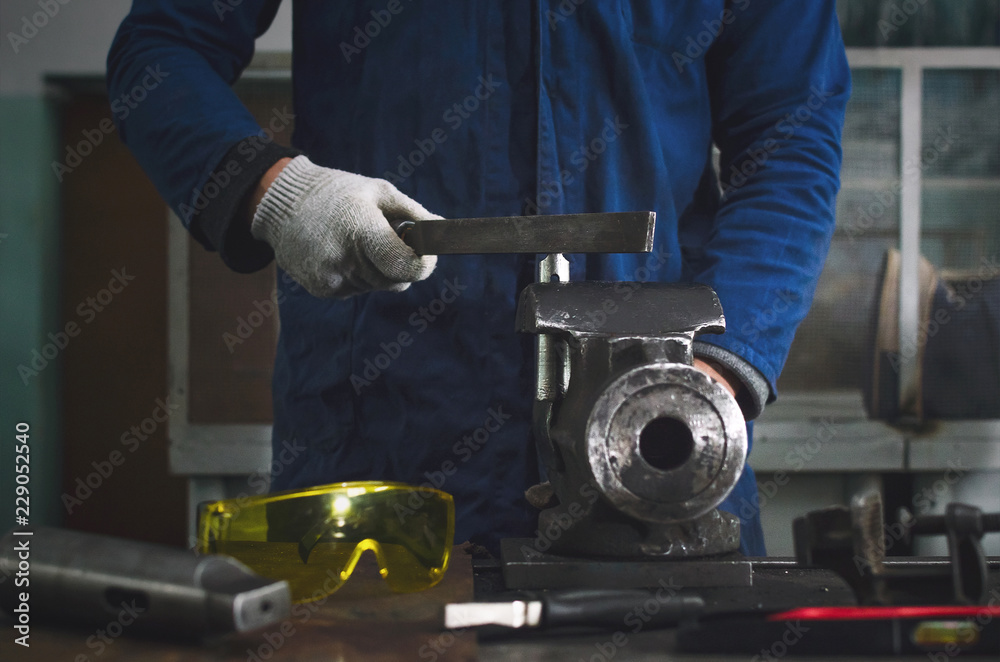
column 170, row 68
column 779, row 84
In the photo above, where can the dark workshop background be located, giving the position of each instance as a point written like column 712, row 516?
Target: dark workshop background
column 64, row 234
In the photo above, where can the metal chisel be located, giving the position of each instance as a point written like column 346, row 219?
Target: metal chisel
column 609, row 609
column 609, row 232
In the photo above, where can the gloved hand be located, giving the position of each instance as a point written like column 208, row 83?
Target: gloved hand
column 330, row 231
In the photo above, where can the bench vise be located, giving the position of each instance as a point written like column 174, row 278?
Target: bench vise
column 640, row 446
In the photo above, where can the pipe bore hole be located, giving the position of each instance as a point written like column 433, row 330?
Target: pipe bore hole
column 665, row 443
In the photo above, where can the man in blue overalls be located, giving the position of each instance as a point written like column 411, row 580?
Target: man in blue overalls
column 402, row 368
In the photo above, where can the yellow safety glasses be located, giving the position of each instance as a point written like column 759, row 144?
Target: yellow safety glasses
column 313, row 538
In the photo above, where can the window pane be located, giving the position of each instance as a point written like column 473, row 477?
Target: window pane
column 961, row 176
column 829, row 351
column 900, row 23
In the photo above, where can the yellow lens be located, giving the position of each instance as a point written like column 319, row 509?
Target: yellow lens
column 312, row 538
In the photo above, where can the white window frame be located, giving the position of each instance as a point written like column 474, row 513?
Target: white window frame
column 861, row 444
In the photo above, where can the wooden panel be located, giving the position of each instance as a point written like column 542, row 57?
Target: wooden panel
column 113, row 285
column 232, row 341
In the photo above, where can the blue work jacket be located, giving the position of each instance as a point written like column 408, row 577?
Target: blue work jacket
column 501, row 108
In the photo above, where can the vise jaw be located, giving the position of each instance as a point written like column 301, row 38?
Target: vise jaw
column 639, row 446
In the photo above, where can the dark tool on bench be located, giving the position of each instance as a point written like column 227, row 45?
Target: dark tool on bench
column 88, row 580
column 851, row 542
column 579, row 608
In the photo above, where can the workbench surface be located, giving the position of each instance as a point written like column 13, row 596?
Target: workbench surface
column 364, row 621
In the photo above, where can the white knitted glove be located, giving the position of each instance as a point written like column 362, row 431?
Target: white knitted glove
column 330, row 231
